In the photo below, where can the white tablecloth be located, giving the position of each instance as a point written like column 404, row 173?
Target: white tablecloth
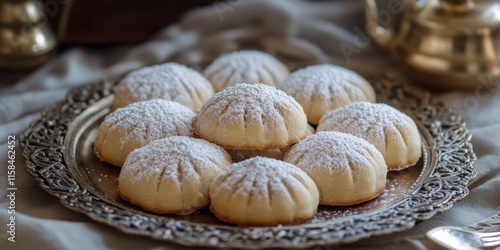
column 305, row 31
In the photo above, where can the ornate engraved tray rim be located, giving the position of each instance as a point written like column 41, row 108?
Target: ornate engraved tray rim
column 450, row 154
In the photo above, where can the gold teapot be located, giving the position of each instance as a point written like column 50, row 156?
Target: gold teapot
column 442, row 44
column 26, row 40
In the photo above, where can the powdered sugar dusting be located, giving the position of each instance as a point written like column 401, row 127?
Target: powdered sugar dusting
column 255, row 99
column 370, row 121
column 321, row 88
column 175, row 158
column 169, row 81
column 330, row 152
column 171, row 175
column 246, row 106
column 245, row 66
column 330, row 82
column 263, row 177
column 150, row 120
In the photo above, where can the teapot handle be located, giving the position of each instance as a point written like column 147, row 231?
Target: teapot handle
column 381, row 35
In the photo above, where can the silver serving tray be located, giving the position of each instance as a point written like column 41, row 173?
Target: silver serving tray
column 59, row 154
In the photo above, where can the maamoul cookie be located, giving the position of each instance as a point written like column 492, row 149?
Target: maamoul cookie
column 346, row 169
column 310, row 130
column 263, row 192
column 169, row 81
column 138, row 124
column 251, row 117
column 172, row 175
column 321, row 88
column 245, row 66
column 392, row 132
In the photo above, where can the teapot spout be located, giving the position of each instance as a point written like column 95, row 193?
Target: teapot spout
column 380, row 34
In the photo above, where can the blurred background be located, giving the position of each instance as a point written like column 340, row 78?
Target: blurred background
column 33, row 31
column 95, row 22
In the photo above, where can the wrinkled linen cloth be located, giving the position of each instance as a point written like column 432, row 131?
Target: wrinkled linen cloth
column 300, row 32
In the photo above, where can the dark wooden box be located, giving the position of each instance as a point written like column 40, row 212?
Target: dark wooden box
column 97, row 22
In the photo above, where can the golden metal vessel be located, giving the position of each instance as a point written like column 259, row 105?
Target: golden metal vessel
column 26, row 40
column 442, row 44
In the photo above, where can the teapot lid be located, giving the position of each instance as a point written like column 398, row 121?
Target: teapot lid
column 463, row 15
